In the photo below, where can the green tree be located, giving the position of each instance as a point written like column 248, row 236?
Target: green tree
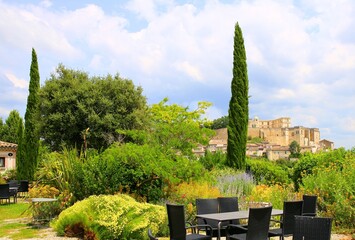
column 20, row 154
column 238, row 106
column 76, row 107
column 10, row 128
column 295, row 149
column 174, row 128
column 221, row 122
column 32, row 117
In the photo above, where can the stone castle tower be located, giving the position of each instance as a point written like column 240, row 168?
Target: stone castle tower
column 279, row 131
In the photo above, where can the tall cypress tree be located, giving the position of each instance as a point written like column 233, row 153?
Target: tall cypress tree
column 20, row 154
column 31, row 138
column 238, row 112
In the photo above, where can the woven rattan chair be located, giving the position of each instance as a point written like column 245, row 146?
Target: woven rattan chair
column 258, row 225
column 309, row 206
column 287, row 223
column 206, row 206
column 177, row 225
column 312, row 228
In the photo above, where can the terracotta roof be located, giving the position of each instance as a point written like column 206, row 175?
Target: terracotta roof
column 7, row 145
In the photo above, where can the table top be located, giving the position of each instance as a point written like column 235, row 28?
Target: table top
column 227, row 216
column 44, row 199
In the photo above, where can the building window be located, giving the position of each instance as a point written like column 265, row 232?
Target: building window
column 2, row 162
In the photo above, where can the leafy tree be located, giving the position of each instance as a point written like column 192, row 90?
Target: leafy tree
column 10, row 128
column 295, row 149
column 76, row 107
column 238, row 105
column 31, row 138
column 175, row 128
column 221, row 122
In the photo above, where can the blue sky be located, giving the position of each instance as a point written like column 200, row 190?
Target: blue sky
column 300, row 54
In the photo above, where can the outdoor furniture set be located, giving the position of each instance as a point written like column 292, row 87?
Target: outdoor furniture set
column 12, row 189
column 219, row 217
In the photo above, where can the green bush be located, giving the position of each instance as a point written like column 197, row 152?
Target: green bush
column 111, row 217
column 333, row 180
column 213, row 160
column 267, row 172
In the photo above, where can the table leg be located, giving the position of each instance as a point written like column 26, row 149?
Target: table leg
column 219, row 230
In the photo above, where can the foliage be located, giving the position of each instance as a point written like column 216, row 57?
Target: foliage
column 213, row 160
column 308, row 162
column 238, row 106
column 9, row 132
column 187, row 193
column 176, row 129
column 267, row 172
column 221, row 122
column 295, row 149
column 79, row 110
column 274, row 194
column 233, row 183
column 141, row 170
column 20, row 153
column 255, row 140
column 32, row 117
column 333, row 180
column 111, row 217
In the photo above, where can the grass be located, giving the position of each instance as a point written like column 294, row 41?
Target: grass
column 14, row 221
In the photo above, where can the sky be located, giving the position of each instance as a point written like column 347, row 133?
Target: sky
column 300, row 54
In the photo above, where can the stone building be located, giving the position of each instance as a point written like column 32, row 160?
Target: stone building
column 7, row 156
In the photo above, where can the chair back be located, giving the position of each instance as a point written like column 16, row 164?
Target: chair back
column 258, row 223
column 206, row 206
column 13, row 183
column 176, row 219
column 309, row 205
column 5, row 191
column 290, row 210
column 150, row 235
column 312, row 228
column 228, row 204
column 23, row 186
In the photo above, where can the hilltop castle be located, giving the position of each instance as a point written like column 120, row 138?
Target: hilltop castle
column 277, row 135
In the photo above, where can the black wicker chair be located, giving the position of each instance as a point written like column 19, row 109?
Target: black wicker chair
column 206, row 206
column 258, row 225
column 5, row 192
column 23, row 186
column 287, row 223
column 150, row 235
column 309, row 205
column 178, row 228
column 312, row 228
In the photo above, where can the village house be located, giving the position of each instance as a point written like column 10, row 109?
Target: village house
column 7, row 156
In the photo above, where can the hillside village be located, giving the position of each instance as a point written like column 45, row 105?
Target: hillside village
column 277, row 136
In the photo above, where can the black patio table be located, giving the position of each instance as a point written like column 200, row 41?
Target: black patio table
column 228, row 216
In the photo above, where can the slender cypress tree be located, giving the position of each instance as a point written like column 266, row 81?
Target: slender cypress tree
column 20, row 154
column 31, row 138
column 238, row 112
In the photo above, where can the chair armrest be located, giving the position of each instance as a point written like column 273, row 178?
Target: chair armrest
column 194, row 227
column 309, row 214
column 237, row 226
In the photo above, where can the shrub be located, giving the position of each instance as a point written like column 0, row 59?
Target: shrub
column 233, row 183
column 111, row 217
column 213, row 160
column 274, row 194
column 267, row 172
column 186, row 194
column 334, row 183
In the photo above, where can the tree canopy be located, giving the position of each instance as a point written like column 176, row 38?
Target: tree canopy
column 76, row 106
column 9, row 130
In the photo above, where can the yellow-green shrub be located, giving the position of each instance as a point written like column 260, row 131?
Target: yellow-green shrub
column 274, row 194
column 111, row 217
column 186, row 194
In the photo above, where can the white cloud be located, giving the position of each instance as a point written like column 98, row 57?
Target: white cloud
column 190, row 70
column 18, row 83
